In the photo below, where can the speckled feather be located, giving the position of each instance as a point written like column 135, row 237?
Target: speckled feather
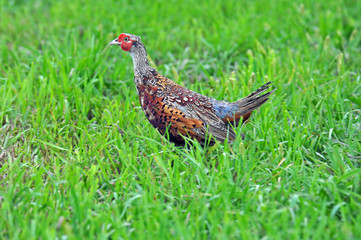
column 169, row 106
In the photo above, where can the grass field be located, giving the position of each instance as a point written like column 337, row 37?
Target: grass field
column 78, row 158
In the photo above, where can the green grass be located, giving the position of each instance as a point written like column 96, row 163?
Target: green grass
column 78, row 158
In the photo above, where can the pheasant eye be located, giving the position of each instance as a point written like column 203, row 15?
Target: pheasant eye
column 126, row 39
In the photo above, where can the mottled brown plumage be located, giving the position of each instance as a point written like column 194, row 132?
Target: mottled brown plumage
column 169, row 106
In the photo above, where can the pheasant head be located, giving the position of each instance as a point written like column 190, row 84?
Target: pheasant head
column 128, row 42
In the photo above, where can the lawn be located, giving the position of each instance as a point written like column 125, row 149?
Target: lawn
column 79, row 159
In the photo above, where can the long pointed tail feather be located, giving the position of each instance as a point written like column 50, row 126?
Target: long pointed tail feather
column 253, row 101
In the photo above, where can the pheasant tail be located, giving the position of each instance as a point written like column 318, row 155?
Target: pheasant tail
column 233, row 112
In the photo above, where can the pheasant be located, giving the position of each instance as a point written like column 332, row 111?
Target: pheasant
column 178, row 112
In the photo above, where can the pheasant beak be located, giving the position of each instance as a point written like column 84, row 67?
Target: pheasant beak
column 114, row 42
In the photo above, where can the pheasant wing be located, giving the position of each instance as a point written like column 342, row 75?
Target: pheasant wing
column 196, row 107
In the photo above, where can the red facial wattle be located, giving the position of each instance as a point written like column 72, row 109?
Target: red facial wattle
column 125, row 45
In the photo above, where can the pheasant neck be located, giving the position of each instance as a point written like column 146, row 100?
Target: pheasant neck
column 140, row 61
